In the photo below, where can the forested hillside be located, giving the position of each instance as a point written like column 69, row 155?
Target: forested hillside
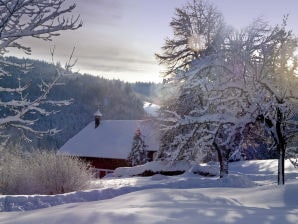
column 148, row 91
column 116, row 100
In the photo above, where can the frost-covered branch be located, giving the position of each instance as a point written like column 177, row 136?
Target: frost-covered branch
column 229, row 94
column 20, row 19
column 34, row 18
column 196, row 21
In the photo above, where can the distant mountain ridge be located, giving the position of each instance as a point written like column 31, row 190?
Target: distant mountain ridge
column 116, row 99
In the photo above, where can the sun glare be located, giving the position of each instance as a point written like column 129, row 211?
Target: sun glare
column 196, row 42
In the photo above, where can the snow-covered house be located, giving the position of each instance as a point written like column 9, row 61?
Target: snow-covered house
column 107, row 143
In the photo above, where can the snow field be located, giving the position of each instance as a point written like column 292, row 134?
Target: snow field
column 159, row 199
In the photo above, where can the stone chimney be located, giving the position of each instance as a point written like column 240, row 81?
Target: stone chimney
column 97, row 118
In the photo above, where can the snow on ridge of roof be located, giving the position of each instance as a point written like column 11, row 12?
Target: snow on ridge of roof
column 112, row 139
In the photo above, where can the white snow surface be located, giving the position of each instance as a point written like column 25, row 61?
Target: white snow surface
column 154, row 166
column 248, row 195
column 151, row 109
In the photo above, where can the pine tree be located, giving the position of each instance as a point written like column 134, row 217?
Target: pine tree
column 138, row 154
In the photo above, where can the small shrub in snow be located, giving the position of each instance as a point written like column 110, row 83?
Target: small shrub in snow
column 41, row 172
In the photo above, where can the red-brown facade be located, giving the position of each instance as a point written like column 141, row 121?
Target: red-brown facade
column 104, row 165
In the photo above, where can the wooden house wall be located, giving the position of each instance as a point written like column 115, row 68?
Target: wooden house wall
column 105, row 164
column 109, row 164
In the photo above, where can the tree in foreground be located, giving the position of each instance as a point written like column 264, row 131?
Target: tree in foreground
column 196, row 25
column 194, row 120
column 138, row 153
column 218, row 116
column 248, row 79
column 20, row 19
column 275, row 69
column 269, row 64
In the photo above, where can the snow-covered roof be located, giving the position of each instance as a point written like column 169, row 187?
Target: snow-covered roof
column 112, row 139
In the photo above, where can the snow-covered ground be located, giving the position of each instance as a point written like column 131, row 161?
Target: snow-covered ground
column 188, row 198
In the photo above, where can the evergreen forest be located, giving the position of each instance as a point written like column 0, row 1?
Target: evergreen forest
column 117, row 100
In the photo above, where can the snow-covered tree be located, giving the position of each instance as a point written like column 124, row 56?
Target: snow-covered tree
column 198, row 31
column 138, row 153
column 250, row 79
column 196, row 25
column 20, row 19
column 267, row 57
column 218, row 115
column 192, row 118
column 275, row 70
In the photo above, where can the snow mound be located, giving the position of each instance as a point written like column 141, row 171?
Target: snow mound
column 236, row 180
column 163, row 167
column 10, row 203
column 208, row 169
column 158, row 177
column 153, row 167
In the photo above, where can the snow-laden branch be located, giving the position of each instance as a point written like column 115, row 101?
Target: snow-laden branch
column 29, row 18
column 36, row 132
column 41, row 19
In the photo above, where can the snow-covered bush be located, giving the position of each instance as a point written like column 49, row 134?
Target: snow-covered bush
column 138, row 154
column 41, row 172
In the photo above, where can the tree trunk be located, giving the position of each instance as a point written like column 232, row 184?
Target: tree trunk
column 281, row 167
column 281, row 147
column 225, row 170
column 223, row 162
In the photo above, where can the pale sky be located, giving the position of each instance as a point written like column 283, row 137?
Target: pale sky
column 119, row 37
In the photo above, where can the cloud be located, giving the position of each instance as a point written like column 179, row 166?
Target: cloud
column 101, row 12
column 110, row 41
column 104, row 64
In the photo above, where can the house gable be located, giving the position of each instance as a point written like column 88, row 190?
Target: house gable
column 112, row 139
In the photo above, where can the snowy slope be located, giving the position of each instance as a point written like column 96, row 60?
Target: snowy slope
column 187, row 198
